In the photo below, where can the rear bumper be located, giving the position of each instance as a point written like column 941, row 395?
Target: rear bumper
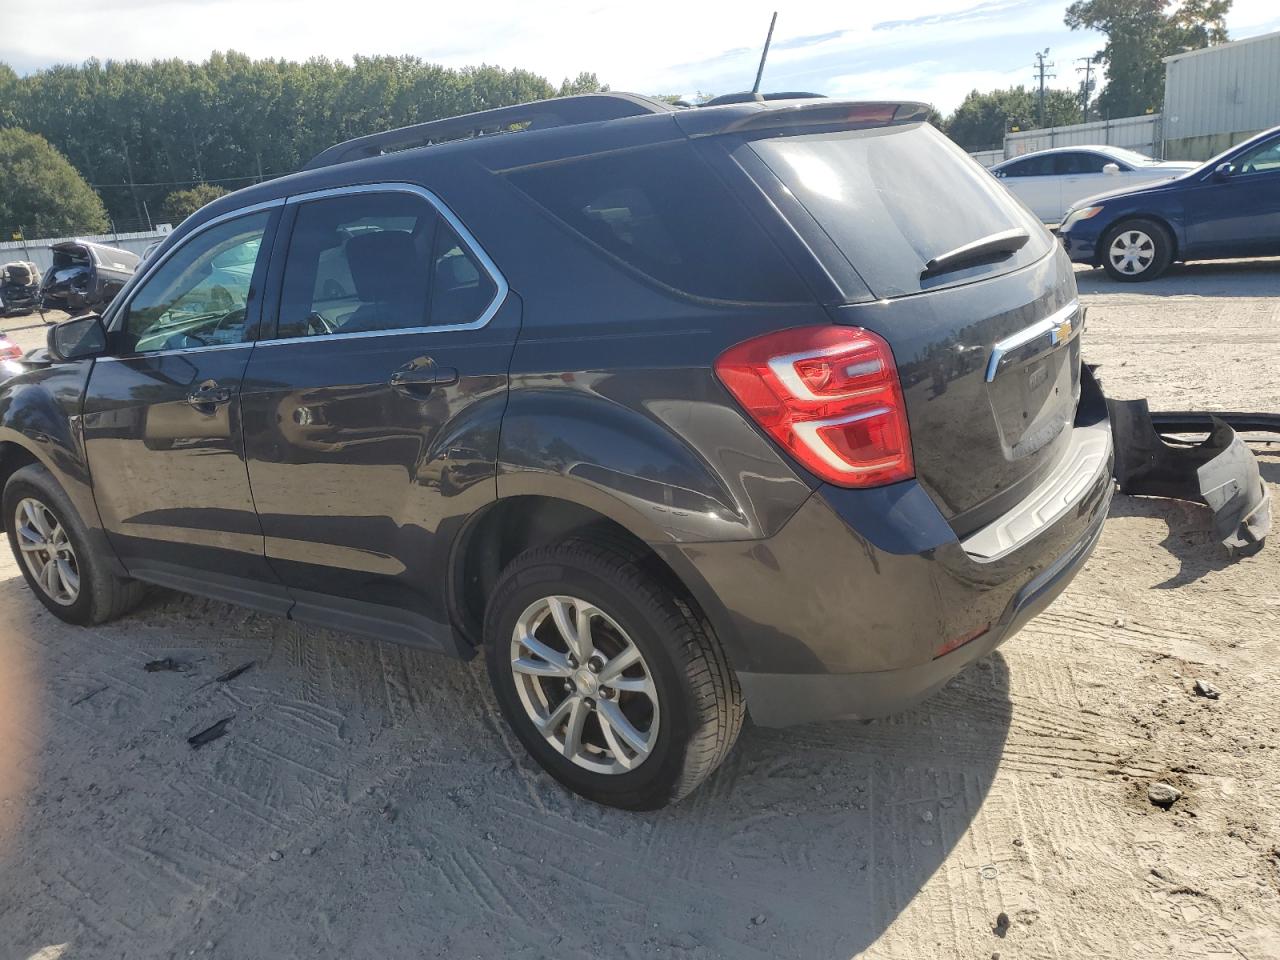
column 784, row 699
column 845, row 610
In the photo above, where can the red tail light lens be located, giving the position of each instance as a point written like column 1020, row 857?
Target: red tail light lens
column 830, row 396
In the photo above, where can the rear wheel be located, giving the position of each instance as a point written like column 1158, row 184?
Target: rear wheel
column 54, row 552
column 1137, row 250
column 608, row 677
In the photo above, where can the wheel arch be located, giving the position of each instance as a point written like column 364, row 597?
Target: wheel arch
column 13, row 457
column 501, row 531
column 1157, row 218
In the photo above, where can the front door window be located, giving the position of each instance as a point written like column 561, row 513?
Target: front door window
column 200, row 296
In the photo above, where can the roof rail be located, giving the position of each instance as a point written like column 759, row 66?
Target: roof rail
column 541, row 114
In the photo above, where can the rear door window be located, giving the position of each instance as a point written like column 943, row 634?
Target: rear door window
column 893, row 198
column 662, row 212
column 1078, row 163
column 369, row 262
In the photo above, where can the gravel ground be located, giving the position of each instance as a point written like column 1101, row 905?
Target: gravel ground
column 367, row 802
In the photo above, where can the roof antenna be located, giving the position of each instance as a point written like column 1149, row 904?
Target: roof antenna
column 764, row 53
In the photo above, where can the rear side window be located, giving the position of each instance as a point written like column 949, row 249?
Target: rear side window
column 377, row 262
column 664, row 213
column 893, row 198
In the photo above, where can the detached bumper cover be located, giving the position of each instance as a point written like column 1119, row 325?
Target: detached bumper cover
column 1220, row 471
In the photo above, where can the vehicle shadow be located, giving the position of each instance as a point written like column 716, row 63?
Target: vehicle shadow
column 368, row 800
column 1216, row 278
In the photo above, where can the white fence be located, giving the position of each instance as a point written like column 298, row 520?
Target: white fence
column 39, row 251
column 988, row 158
column 1135, row 133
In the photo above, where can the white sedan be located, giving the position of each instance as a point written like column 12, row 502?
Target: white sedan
column 1050, row 181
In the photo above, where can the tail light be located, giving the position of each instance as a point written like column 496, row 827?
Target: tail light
column 830, row 396
column 9, row 350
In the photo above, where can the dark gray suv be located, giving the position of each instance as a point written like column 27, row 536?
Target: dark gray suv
column 676, row 413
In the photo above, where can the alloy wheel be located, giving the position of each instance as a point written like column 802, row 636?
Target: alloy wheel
column 585, row 685
column 47, row 551
column 1132, row 252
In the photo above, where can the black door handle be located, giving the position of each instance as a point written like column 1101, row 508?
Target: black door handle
column 420, row 375
column 209, row 395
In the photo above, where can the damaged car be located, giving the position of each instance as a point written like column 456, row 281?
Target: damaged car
column 669, row 414
column 85, row 276
column 19, row 287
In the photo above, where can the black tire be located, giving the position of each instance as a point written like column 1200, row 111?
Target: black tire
column 1146, row 234
column 698, row 697
column 101, row 594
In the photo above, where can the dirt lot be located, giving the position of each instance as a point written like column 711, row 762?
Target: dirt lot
column 367, row 802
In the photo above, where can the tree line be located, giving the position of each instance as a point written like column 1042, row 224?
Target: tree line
column 137, row 132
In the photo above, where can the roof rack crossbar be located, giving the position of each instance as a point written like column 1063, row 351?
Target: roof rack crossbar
column 558, row 112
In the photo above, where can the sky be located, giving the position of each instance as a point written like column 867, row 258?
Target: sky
column 930, row 50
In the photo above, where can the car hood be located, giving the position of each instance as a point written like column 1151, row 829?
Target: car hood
column 1160, row 186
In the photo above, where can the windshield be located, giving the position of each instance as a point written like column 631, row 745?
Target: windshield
column 1222, row 157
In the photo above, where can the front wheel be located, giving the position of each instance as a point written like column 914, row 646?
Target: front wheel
column 608, row 677
column 1136, row 250
column 53, row 550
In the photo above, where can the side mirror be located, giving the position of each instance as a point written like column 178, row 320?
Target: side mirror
column 1224, row 171
column 78, row 339
column 1111, row 169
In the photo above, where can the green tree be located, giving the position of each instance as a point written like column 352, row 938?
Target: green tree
column 8, row 90
column 42, row 194
column 582, row 83
column 1140, row 34
column 138, row 129
column 982, row 119
column 181, row 204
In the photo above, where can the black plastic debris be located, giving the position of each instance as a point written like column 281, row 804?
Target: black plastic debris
column 209, row 734
column 167, row 664
column 1219, row 471
column 234, row 672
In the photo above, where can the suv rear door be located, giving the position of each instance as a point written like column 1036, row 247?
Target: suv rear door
column 987, row 349
column 372, row 405
column 162, row 421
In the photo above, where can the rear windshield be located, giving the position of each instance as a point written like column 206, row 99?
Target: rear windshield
column 893, row 198
column 662, row 212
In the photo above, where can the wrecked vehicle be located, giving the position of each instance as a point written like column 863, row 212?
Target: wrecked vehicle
column 85, row 276
column 608, row 403
column 19, row 287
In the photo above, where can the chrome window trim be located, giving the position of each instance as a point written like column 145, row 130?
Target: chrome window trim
column 209, row 347
column 1027, row 334
column 465, row 235
column 120, row 308
column 124, row 302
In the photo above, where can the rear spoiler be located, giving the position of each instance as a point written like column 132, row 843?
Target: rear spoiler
column 798, row 116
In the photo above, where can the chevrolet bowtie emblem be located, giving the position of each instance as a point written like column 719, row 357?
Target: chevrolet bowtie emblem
column 1062, row 332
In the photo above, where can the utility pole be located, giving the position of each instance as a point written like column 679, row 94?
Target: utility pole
column 1086, row 86
column 1041, row 68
